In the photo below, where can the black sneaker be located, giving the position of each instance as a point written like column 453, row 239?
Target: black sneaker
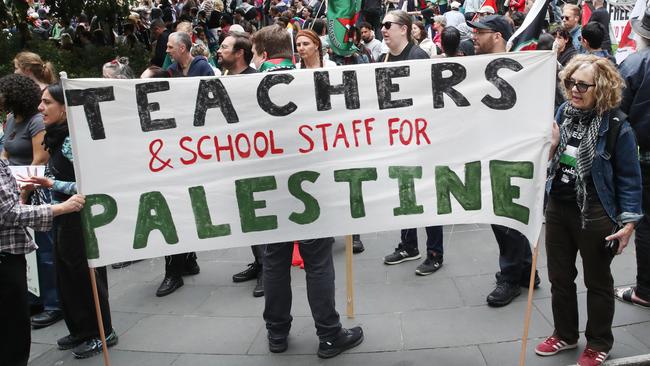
column 347, row 338
column 258, row 291
column 525, row 280
column 93, row 346
column 278, row 345
column 430, row 265
column 247, row 274
column 169, row 285
column 401, row 255
column 68, row 342
column 503, row 294
column 357, row 244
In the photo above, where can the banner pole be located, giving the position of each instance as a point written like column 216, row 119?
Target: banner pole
column 529, row 306
column 349, row 277
column 98, row 311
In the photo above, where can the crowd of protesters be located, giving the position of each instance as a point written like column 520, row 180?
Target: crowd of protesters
column 597, row 188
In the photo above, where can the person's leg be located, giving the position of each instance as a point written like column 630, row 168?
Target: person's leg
column 642, row 241
column 598, row 278
column 409, row 240
column 174, row 265
column 319, row 272
column 277, row 285
column 514, row 253
column 561, row 252
column 15, row 336
column 434, row 240
column 46, row 271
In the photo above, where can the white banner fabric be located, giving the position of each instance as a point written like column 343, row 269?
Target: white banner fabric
column 190, row 164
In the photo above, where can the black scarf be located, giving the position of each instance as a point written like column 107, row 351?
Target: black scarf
column 54, row 135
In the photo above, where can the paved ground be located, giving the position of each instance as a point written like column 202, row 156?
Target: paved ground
column 440, row 319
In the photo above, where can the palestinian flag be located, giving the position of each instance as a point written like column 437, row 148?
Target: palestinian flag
column 342, row 15
column 627, row 45
column 527, row 36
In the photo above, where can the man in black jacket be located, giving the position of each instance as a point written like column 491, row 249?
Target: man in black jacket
column 636, row 72
column 161, row 35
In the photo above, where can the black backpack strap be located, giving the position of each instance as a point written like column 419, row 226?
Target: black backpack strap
column 616, row 118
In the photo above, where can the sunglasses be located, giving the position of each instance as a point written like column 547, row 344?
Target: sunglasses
column 387, row 24
column 582, row 87
column 565, row 18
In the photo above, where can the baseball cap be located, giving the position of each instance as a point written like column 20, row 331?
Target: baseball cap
column 495, row 23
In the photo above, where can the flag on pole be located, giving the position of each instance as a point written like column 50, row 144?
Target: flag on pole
column 491, row 3
column 627, row 44
column 527, row 36
column 342, row 15
column 586, row 12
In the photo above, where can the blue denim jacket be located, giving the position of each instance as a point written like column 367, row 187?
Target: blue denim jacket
column 618, row 185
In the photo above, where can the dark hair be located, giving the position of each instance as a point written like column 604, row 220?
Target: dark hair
column 274, row 40
column 158, row 72
column 423, row 33
column 366, row 25
column 243, row 42
column 564, row 34
column 545, row 42
column 593, row 33
column 214, row 19
column 21, row 95
column 227, row 18
column 450, row 41
column 319, row 26
column 517, row 18
column 157, row 23
column 56, row 91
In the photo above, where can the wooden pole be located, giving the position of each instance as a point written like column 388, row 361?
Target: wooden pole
column 529, row 306
column 100, row 321
column 350, row 278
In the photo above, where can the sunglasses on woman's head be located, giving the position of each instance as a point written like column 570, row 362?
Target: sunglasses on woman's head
column 582, row 87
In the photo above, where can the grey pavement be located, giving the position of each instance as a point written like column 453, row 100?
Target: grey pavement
column 441, row 319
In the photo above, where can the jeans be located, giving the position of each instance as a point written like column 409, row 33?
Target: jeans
column 642, row 240
column 409, row 239
column 319, row 272
column 515, row 257
column 46, row 271
column 565, row 237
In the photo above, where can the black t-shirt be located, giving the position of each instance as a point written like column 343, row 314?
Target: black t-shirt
column 249, row 70
column 410, row 52
column 565, row 177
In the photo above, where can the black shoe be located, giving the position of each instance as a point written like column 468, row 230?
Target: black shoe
column 525, row 280
column 35, row 309
column 357, row 244
column 93, row 346
column 68, row 342
column 503, row 294
column 430, row 265
column 401, row 255
column 247, row 274
column 169, row 285
column 348, row 338
column 119, row 265
column 191, row 268
column 46, row 318
column 259, row 287
column 278, row 345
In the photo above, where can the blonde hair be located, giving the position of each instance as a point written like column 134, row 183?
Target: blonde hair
column 31, row 62
column 184, row 27
column 608, row 82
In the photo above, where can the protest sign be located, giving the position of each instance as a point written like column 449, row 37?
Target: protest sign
column 190, row 164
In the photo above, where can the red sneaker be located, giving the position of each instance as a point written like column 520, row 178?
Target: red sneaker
column 591, row 357
column 553, row 345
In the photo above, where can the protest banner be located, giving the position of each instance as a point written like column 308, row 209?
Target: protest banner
column 177, row 165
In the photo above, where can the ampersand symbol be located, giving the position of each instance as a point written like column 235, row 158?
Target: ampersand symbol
column 157, row 145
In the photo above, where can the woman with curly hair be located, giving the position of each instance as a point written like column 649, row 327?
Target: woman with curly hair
column 24, row 135
column 32, row 66
column 594, row 188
